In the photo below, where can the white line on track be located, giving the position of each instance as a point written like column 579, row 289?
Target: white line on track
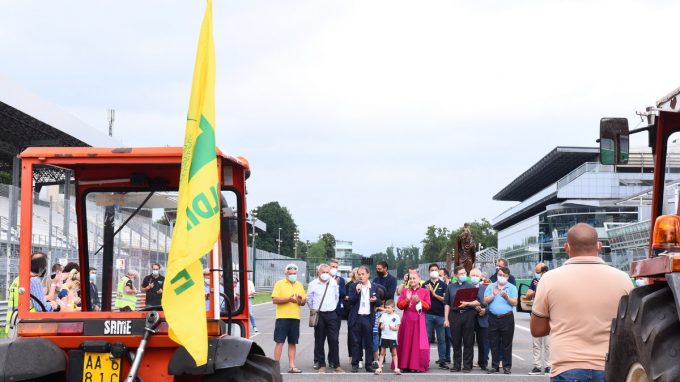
column 523, row 328
column 515, row 355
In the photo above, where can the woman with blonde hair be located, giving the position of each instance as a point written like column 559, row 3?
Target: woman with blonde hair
column 68, row 298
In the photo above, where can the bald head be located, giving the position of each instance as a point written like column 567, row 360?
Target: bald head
column 582, row 241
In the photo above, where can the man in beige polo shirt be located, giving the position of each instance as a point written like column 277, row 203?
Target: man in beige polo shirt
column 575, row 305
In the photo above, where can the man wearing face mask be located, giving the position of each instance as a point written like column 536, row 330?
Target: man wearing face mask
column 95, row 304
column 386, row 279
column 288, row 295
column 434, row 318
column 461, row 321
column 541, row 345
column 501, row 262
column 342, row 289
column 501, row 297
column 482, row 324
column 153, row 286
column 323, row 295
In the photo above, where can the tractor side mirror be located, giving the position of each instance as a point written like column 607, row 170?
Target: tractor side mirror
column 614, row 143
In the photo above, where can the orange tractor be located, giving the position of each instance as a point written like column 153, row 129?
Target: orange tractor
column 118, row 194
column 645, row 334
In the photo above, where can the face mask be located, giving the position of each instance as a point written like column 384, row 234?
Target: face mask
column 155, row 272
column 537, row 276
column 334, row 272
column 434, row 275
column 502, row 280
column 475, row 280
column 292, row 278
column 93, row 277
column 462, row 279
column 323, row 276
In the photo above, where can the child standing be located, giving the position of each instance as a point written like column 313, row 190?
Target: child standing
column 389, row 323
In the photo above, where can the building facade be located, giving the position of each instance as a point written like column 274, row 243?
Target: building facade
column 569, row 186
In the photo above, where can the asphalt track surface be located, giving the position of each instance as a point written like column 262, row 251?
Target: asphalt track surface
column 522, row 361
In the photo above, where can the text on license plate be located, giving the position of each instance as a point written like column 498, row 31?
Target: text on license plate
column 100, row 367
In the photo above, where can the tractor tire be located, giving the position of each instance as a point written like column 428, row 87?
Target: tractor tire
column 257, row 368
column 644, row 343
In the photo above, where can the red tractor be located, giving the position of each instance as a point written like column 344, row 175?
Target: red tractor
column 645, row 334
column 119, row 193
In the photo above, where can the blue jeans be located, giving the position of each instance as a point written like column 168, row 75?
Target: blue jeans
column 437, row 322
column 579, row 375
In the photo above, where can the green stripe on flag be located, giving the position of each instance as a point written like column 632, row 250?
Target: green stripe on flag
column 204, row 150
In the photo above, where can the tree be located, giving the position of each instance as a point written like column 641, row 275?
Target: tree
column 276, row 216
column 435, row 244
column 329, row 245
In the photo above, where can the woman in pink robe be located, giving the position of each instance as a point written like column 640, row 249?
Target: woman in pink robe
column 413, row 347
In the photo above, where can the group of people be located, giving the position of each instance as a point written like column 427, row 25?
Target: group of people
column 459, row 311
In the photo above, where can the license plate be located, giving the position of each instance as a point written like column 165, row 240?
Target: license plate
column 100, row 367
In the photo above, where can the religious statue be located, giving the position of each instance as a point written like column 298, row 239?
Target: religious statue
column 465, row 249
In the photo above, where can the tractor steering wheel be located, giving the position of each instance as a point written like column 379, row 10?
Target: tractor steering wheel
column 37, row 301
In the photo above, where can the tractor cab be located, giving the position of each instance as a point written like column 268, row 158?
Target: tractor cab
column 125, row 207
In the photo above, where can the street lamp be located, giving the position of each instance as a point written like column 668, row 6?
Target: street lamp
column 253, row 219
column 296, row 238
column 279, row 241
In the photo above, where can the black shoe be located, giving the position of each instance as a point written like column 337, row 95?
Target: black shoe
column 374, row 365
column 443, row 366
column 355, row 369
column 370, row 369
column 547, row 370
column 455, row 369
column 493, row 370
column 536, row 371
column 466, row 370
column 484, row 368
column 506, row 370
column 317, row 366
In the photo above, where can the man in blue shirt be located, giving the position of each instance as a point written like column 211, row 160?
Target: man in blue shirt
column 501, row 297
column 385, row 279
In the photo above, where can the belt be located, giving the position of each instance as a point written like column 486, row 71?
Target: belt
column 461, row 311
column 501, row 315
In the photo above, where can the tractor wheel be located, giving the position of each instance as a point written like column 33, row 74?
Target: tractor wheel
column 257, row 368
column 644, row 343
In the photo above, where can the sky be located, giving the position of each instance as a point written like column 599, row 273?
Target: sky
column 370, row 120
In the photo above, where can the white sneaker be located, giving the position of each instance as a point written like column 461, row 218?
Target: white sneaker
column 361, row 364
column 255, row 330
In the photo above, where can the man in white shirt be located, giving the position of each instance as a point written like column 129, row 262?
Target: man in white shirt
column 323, row 295
column 251, row 293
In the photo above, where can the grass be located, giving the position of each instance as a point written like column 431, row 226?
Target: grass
column 259, row 298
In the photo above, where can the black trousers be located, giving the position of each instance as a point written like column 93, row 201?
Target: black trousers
column 462, row 325
column 362, row 337
column 501, row 329
column 327, row 329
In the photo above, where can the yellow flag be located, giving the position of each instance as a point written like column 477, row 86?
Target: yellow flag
column 198, row 225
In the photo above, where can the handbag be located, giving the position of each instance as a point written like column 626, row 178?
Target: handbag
column 314, row 313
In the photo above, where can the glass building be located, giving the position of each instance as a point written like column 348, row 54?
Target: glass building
column 569, row 186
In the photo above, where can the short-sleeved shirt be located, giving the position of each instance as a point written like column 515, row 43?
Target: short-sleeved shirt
column 284, row 288
column 153, row 298
column 580, row 313
column 436, row 306
column 450, row 296
column 499, row 305
column 389, row 319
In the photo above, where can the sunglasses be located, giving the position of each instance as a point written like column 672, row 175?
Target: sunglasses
column 293, row 267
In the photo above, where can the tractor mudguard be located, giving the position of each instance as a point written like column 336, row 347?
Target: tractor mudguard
column 673, row 280
column 28, row 358
column 223, row 353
